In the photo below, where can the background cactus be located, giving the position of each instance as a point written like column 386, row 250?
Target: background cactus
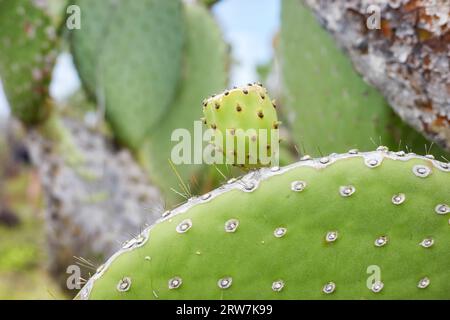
column 309, row 230
column 95, row 195
column 149, row 33
column 321, row 84
column 204, row 71
column 27, row 38
column 188, row 62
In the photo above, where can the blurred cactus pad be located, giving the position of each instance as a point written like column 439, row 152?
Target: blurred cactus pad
column 175, row 56
column 27, row 55
column 311, row 230
column 204, row 71
column 129, row 55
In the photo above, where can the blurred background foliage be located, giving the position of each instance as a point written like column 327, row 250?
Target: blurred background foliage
column 23, row 268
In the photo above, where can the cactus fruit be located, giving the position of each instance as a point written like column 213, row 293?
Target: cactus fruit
column 27, row 39
column 205, row 71
column 321, row 84
column 243, row 114
column 137, row 90
column 310, row 230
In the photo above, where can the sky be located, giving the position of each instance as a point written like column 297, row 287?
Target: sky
column 249, row 26
column 3, row 103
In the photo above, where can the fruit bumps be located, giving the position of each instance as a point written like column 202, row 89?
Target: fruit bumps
column 369, row 225
column 243, row 118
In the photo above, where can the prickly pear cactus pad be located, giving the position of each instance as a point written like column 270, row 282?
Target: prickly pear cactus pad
column 27, row 54
column 310, row 230
column 86, row 45
column 242, row 114
column 129, row 54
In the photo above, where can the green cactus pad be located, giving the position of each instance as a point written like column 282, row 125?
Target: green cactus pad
column 333, row 108
column 242, row 114
column 311, row 230
column 205, row 71
column 27, row 55
column 129, row 54
column 87, row 42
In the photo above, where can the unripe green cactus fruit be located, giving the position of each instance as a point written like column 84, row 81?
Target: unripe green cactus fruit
column 242, row 114
column 310, row 230
column 27, row 55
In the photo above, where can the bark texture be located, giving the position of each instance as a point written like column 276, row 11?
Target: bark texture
column 407, row 58
column 95, row 199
